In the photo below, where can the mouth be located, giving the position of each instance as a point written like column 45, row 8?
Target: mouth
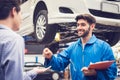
column 80, row 31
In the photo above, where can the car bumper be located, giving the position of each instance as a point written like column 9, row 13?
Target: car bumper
column 68, row 18
column 108, row 21
column 62, row 18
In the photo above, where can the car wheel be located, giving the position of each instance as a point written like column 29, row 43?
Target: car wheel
column 44, row 33
column 55, row 76
column 112, row 38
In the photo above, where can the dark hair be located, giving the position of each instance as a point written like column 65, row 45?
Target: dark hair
column 6, row 6
column 90, row 19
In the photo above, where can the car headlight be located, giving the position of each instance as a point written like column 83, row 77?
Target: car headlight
column 55, row 76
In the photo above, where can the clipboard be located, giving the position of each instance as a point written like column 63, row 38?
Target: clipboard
column 101, row 65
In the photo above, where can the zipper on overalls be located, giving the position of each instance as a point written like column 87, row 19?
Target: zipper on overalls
column 83, row 58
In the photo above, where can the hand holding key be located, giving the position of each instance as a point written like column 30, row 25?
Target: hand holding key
column 47, row 53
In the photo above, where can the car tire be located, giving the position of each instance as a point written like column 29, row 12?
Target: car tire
column 44, row 32
column 112, row 37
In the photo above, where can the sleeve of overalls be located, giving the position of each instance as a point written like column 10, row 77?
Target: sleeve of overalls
column 111, row 72
column 59, row 61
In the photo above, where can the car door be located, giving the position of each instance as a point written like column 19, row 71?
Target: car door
column 26, row 26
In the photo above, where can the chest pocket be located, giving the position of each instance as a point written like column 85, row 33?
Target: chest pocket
column 94, row 54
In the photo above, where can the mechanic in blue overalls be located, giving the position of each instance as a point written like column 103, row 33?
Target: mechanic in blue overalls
column 81, row 53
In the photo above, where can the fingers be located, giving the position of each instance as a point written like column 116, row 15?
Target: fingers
column 46, row 50
column 84, row 69
column 41, row 70
column 48, row 68
column 47, row 53
column 44, row 69
column 88, row 72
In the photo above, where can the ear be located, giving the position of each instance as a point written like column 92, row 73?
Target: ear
column 93, row 26
column 13, row 12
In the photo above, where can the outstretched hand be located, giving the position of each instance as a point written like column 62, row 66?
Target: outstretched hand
column 47, row 53
column 41, row 70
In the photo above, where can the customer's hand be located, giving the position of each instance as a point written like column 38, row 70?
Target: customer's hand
column 41, row 70
column 47, row 53
column 88, row 72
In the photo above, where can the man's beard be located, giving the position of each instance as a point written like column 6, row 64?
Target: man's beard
column 85, row 33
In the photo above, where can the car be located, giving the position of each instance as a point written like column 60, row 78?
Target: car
column 48, row 75
column 43, row 18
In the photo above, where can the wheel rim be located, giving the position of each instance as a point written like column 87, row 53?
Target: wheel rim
column 40, row 27
column 55, row 76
